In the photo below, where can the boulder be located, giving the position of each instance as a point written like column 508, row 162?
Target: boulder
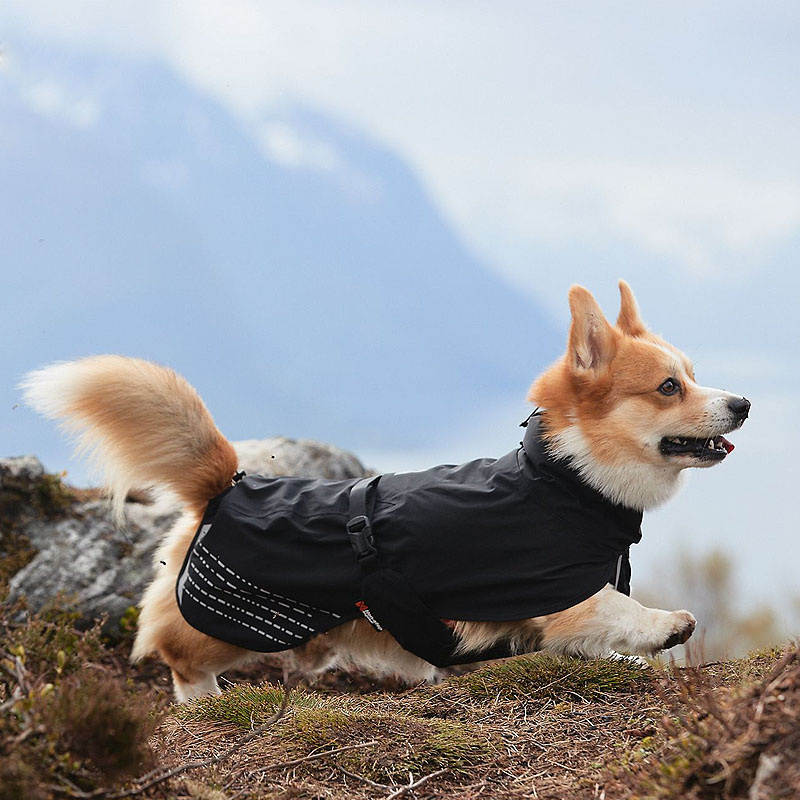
column 80, row 557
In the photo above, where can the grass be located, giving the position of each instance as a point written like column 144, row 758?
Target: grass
column 408, row 743
column 531, row 726
column 73, row 722
column 543, row 676
column 245, row 705
column 538, row 726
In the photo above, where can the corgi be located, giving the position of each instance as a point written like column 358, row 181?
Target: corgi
column 621, row 409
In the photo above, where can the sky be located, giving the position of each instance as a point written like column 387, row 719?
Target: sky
column 562, row 143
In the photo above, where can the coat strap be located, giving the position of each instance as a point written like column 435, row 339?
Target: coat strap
column 359, row 526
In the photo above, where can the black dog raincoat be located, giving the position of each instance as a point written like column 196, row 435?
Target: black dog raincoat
column 276, row 561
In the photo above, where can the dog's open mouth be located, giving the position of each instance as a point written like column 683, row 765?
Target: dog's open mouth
column 714, row 448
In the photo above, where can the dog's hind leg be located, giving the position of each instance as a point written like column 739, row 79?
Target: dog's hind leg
column 194, row 658
column 611, row 621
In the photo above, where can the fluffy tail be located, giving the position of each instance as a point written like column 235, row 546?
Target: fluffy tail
column 143, row 424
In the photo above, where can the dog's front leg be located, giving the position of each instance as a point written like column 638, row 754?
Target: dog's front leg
column 611, row 621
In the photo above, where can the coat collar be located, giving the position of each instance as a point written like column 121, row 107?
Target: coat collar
column 562, row 471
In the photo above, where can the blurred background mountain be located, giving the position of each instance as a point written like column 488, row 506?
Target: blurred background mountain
column 297, row 303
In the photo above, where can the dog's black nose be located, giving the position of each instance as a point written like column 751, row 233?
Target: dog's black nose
column 740, row 406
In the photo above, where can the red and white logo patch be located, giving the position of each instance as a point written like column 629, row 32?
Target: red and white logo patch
column 364, row 609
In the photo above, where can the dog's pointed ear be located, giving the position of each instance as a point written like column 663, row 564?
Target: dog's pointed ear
column 629, row 320
column 592, row 342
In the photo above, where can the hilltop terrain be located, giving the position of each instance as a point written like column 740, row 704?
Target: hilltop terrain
column 76, row 720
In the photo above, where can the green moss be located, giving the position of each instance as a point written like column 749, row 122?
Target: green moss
column 544, row 676
column 404, row 742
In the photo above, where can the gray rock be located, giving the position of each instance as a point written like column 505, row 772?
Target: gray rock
column 102, row 570
column 20, row 467
column 304, row 457
column 27, row 498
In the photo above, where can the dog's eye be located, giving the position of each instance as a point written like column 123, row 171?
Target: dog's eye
column 669, row 387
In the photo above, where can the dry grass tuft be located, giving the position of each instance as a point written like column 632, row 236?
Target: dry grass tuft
column 69, row 720
column 734, row 744
column 97, row 726
column 543, row 676
column 245, row 705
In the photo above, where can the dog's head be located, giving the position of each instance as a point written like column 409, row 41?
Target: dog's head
column 624, row 405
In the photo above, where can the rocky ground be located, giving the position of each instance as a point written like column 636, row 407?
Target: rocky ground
column 76, row 720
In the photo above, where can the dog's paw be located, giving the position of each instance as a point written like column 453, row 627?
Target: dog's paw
column 682, row 625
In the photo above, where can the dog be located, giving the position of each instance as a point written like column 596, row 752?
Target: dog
column 621, row 410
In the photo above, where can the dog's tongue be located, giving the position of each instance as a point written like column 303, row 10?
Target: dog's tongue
column 726, row 444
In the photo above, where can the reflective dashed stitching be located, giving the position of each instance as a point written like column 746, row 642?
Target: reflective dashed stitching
column 233, row 619
column 265, row 591
column 234, row 586
column 240, row 610
column 210, row 583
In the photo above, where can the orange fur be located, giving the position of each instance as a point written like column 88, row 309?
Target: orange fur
column 607, row 382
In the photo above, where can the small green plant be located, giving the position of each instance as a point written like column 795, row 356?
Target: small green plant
column 67, row 718
column 129, row 620
column 45, row 495
column 51, row 646
column 97, row 726
column 51, row 496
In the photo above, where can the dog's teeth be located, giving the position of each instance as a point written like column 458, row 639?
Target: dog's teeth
column 710, row 444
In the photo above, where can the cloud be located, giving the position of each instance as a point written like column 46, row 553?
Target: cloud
column 703, row 217
column 531, row 124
